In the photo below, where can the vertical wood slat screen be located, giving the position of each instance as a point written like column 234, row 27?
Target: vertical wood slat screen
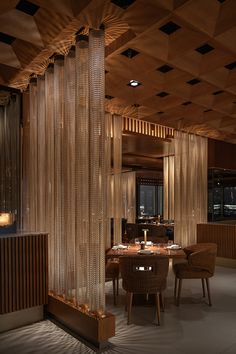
column 23, row 272
column 223, row 235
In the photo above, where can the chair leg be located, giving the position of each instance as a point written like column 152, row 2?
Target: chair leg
column 126, row 301
column 179, row 292
column 130, row 298
column 114, row 290
column 203, row 287
column 158, row 308
column 176, row 284
column 117, row 286
column 208, row 291
column 162, row 301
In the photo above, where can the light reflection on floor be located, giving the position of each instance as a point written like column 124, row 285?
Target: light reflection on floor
column 193, row 328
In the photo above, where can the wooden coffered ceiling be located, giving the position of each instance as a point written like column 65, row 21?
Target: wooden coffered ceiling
column 183, row 52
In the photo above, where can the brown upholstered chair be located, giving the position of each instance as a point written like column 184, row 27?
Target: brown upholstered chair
column 200, row 264
column 144, row 274
column 112, row 271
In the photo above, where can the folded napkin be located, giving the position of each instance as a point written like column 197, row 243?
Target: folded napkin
column 119, row 247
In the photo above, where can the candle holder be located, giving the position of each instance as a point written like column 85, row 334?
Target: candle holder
column 145, row 236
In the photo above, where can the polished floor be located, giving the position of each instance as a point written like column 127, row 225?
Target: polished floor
column 193, row 328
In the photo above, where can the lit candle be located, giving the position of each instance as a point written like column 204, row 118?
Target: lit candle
column 145, row 235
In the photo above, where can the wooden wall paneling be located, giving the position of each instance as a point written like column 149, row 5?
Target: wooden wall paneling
column 223, row 235
column 23, row 273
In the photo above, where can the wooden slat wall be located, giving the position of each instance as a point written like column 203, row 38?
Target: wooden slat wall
column 223, row 235
column 23, row 272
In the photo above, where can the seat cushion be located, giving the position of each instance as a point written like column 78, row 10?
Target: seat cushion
column 112, row 270
column 185, row 271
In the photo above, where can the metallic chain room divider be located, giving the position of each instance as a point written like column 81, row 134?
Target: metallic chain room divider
column 10, row 154
column 190, row 185
column 67, row 169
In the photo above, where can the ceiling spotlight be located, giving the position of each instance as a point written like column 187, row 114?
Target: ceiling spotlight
column 134, row 83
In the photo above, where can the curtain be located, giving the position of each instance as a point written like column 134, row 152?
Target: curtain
column 67, row 149
column 117, row 174
column 168, row 179
column 10, row 154
column 190, row 186
column 129, row 196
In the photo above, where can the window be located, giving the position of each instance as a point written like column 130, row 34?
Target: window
column 149, row 199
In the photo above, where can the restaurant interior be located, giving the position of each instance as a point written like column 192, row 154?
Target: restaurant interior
column 117, row 176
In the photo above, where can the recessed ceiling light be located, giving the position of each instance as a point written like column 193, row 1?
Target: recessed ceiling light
column 217, row 92
column 134, row 83
column 204, row 49
column 162, row 94
column 130, row 53
column 193, row 81
column 231, row 66
column 186, row 103
column 124, row 4
column 27, row 7
column 165, row 68
column 6, row 38
column 169, row 28
column 109, row 97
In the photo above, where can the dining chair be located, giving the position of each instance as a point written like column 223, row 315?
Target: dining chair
column 144, row 274
column 112, row 272
column 199, row 264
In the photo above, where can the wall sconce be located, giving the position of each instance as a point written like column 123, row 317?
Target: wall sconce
column 7, row 223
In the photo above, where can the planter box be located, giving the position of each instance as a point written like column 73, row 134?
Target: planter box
column 96, row 331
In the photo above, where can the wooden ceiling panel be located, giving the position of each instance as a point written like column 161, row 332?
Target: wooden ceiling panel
column 226, row 18
column 69, row 8
column 8, row 56
column 6, row 6
column 24, row 27
column 182, row 77
column 139, row 11
column 201, row 14
column 227, row 38
column 50, row 24
column 7, row 72
column 25, row 51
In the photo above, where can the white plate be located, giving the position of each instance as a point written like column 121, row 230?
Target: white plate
column 145, row 252
column 174, row 247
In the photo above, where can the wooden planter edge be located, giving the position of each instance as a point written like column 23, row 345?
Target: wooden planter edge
column 96, row 331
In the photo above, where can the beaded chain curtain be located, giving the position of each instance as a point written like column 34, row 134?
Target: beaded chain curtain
column 190, row 185
column 129, row 196
column 168, row 179
column 68, row 169
column 117, row 175
column 10, row 154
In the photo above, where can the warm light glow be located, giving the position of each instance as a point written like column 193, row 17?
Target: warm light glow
column 6, row 219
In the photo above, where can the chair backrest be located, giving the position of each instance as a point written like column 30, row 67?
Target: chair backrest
column 144, row 273
column 202, row 256
column 131, row 230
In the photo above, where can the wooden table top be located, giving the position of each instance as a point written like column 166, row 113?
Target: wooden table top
column 157, row 250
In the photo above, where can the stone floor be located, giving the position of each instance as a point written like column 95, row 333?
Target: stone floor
column 192, row 328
